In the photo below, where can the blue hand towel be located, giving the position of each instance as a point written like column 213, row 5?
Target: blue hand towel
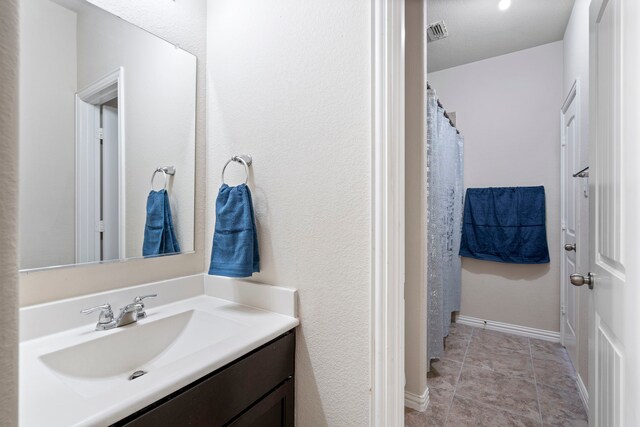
column 505, row 224
column 234, row 252
column 159, row 234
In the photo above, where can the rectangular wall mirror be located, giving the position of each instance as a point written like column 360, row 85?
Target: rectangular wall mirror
column 107, row 138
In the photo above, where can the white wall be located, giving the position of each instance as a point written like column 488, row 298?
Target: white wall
column 159, row 83
column 508, row 111
column 48, row 79
column 184, row 23
column 9, row 213
column 289, row 82
column 415, row 291
column 576, row 67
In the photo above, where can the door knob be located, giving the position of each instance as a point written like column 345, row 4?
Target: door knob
column 579, row 280
column 570, row 247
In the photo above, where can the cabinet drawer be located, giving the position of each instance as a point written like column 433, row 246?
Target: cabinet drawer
column 217, row 398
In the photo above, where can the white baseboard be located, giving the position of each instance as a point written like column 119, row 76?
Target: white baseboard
column 415, row 402
column 524, row 331
column 582, row 391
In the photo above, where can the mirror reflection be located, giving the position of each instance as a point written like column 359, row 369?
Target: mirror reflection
column 107, row 138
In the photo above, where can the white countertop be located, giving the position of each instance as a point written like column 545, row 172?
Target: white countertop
column 47, row 399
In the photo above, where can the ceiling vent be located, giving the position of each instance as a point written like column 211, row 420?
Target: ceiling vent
column 437, row 31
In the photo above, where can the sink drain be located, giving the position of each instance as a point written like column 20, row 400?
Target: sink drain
column 136, row 374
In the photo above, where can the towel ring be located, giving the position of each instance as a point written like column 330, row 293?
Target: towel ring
column 246, row 162
column 166, row 170
column 154, row 175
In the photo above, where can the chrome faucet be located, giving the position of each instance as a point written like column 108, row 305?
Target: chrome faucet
column 130, row 313
column 138, row 300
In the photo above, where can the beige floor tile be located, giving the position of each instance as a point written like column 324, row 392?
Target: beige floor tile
column 459, row 330
column 561, row 407
column 444, row 374
column 488, row 378
column 548, row 350
column 455, row 348
column 493, row 388
column 467, row 412
column 499, row 339
column 436, row 413
column 500, row 359
column 556, row 373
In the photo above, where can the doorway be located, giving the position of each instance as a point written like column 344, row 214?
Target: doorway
column 99, row 170
column 507, row 102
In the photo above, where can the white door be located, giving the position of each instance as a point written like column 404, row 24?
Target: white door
column 614, row 354
column 570, row 205
column 110, row 209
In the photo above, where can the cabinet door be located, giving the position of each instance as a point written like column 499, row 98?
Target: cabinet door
column 274, row 410
column 217, row 399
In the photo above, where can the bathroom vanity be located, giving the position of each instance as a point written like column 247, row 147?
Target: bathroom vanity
column 255, row 390
column 209, row 352
column 118, row 108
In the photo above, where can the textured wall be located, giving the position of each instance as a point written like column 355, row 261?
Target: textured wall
column 508, row 111
column 289, row 82
column 8, row 213
column 181, row 22
column 415, row 290
column 576, row 66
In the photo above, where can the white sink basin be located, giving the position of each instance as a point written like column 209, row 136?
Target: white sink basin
column 74, row 376
column 107, row 362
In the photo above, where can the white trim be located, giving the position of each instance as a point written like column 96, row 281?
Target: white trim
column 582, row 391
column 387, row 294
column 509, row 328
column 573, row 94
column 87, row 209
column 415, row 402
column 102, row 90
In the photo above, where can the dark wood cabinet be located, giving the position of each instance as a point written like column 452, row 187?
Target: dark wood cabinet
column 274, row 410
column 256, row 390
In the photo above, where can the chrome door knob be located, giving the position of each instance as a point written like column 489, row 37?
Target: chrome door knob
column 570, row 247
column 579, row 280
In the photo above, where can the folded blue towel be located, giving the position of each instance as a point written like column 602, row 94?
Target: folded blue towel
column 505, row 224
column 159, row 234
column 234, row 252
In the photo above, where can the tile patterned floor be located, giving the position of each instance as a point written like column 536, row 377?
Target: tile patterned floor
column 493, row 379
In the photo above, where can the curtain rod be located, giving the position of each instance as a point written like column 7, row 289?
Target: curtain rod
column 445, row 111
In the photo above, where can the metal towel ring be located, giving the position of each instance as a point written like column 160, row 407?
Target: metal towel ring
column 166, row 170
column 154, row 175
column 246, row 162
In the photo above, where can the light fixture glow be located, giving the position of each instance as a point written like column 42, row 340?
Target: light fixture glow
column 504, row 4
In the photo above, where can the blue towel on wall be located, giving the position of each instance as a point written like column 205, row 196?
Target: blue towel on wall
column 159, row 234
column 234, row 252
column 505, row 224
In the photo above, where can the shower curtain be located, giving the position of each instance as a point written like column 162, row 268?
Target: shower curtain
column 444, row 200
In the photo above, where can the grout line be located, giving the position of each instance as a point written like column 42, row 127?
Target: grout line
column 455, row 388
column 535, row 381
column 482, row 403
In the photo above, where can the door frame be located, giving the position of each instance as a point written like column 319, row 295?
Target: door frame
column 88, row 102
column 572, row 97
column 387, row 245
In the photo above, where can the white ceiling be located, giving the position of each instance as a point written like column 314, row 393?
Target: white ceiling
column 479, row 30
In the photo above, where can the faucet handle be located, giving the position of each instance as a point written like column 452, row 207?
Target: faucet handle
column 138, row 300
column 106, row 314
